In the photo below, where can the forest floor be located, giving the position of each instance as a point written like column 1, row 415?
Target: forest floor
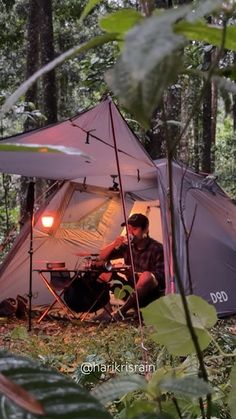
column 63, row 345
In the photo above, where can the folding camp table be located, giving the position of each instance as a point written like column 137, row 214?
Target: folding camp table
column 60, row 280
column 64, row 280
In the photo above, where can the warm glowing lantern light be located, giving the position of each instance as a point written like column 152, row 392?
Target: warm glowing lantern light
column 47, row 221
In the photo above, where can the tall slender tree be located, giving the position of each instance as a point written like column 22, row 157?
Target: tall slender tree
column 31, row 96
column 47, row 55
column 206, row 115
column 173, row 112
column 32, row 54
column 172, row 102
column 155, row 137
column 234, row 101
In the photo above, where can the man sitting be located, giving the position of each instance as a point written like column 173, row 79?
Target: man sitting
column 148, row 263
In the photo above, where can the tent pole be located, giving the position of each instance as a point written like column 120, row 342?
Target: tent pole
column 119, row 173
column 121, row 191
column 172, row 289
column 30, row 209
column 144, row 350
column 31, row 270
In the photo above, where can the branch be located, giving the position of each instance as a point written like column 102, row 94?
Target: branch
column 175, row 261
column 187, row 232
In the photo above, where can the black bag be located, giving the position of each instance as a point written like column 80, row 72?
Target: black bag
column 8, row 307
column 11, row 307
column 87, row 293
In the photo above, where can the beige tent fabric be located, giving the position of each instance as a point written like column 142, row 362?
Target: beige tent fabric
column 152, row 210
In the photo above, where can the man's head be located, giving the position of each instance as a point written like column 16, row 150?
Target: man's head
column 137, row 223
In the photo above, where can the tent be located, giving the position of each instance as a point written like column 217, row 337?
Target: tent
column 89, row 213
column 208, row 215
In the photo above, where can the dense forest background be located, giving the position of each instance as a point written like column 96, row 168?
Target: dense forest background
column 33, row 32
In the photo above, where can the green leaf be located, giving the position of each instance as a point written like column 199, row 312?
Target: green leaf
column 188, row 387
column 189, row 410
column 143, row 409
column 128, row 288
column 19, row 332
column 232, row 394
column 88, row 8
column 60, row 396
column 168, row 318
column 119, row 293
column 148, row 64
column 122, row 20
column 153, row 386
column 118, row 387
column 200, row 31
column 140, row 407
column 140, row 97
column 148, row 43
column 95, row 42
column 189, row 366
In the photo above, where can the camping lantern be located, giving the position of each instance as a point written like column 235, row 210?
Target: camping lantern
column 47, row 221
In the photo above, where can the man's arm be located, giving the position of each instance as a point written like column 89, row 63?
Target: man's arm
column 110, row 248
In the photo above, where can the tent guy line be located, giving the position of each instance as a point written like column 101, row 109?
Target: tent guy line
column 102, row 141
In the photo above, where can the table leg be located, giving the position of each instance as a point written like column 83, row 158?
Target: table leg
column 57, row 299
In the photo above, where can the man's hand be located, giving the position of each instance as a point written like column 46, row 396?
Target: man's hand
column 119, row 241
column 105, row 252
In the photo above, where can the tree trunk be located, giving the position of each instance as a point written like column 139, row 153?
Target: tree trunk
column 32, row 65
column 166, row 4
column 206, row 130
column 32, row 57
column 234, row 100
column 214, row 105
column 206, row 116
column 155, row 137
column 47, row 55
column 156, row 144
column 196, row 150
column 173, row 112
